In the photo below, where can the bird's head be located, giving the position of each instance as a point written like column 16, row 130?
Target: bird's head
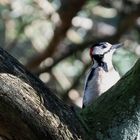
column 102, row 52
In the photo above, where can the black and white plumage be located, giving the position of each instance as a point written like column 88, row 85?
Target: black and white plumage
column 102, row 74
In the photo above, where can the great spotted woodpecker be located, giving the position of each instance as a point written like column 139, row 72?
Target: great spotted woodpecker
column 102, row 74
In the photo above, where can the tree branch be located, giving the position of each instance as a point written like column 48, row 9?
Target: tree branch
column 23, row 115
column 66, row 12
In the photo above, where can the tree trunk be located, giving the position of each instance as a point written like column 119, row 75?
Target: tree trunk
column 30, row 111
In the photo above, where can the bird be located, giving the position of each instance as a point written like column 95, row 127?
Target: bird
column 102, row 74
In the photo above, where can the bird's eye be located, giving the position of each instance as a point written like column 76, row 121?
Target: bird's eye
column 103, row 46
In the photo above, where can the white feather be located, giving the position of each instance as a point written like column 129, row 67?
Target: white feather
column 101, row 81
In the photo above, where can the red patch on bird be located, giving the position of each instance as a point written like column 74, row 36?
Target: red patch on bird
column 91, row 52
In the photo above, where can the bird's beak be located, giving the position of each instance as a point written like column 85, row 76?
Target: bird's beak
column 116, row 46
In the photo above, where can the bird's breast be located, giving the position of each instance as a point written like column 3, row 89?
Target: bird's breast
column 100, row 82
column 105, row 80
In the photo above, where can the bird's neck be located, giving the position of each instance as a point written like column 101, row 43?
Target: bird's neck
column 106, row 64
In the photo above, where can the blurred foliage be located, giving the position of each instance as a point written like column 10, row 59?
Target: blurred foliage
column 27, row 27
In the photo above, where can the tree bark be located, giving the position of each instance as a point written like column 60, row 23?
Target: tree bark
column 30, row 111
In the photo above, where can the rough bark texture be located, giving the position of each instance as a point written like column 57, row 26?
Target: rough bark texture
column 23, row 115
column 116, row 114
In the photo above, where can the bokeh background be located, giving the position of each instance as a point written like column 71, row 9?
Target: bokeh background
column 51, row 38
